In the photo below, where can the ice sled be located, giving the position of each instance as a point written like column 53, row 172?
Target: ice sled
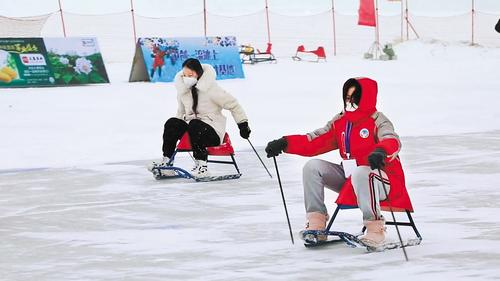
column 248, row 54
column 398, row 205
column 313, row 55
column 225, row 149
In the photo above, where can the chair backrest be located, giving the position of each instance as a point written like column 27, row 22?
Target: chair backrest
column 320, row 52
column 184, row 144
column 224, row 149
column 269, row 47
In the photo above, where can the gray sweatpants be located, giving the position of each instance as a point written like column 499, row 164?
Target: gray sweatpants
column 318, row 174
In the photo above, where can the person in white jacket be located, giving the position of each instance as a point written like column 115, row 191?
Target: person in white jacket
column 200, row 103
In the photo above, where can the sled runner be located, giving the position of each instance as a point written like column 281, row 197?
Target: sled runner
column 249, row 55
column 313, row 55
column 225, row 149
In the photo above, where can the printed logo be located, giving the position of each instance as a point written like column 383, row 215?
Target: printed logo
column 88, row 42
column 364, row 133
column 32, row 59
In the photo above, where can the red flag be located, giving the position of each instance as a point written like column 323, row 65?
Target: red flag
column 367, row 13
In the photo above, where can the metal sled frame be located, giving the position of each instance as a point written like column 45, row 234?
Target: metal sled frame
column 232, row 162
column 352, row 240
column 410, row 221
column 179, row 173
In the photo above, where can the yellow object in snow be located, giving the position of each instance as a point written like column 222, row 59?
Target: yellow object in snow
column 9, row 71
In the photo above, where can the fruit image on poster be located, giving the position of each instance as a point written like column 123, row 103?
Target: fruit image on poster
column 8, row 68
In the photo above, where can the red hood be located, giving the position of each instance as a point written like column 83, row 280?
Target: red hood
column 368, row 102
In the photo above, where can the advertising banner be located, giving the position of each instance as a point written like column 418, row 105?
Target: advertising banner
column 23, row 62
column 75, row 60
column 159, row 59
column 33, row 62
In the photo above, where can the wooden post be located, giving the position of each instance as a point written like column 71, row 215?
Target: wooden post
column 62, row 18
column 205, row 17
column 133, row 20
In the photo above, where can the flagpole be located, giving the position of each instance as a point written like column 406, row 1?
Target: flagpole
column 205, row 17
column 377, row 31
column 473, row 13
column 334, row 33
column 267, row 22
column 402, row 20
column 407, row 23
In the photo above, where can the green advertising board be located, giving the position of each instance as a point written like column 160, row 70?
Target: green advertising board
column 33, row 62
column 23, row 62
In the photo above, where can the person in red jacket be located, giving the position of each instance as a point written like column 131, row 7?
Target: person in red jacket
column 368, row 145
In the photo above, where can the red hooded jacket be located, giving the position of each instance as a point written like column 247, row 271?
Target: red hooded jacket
column 369, row 129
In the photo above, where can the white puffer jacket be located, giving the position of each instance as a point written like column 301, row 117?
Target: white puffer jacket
column 211, row 100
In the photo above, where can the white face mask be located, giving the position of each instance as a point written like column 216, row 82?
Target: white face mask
column 189, row 81
column 351, row 107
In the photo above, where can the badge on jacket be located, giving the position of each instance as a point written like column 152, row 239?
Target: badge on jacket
column 364, row 133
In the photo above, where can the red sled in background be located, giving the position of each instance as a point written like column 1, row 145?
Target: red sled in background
column 314, row 56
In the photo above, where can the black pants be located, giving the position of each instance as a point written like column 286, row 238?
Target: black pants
column 200, row 133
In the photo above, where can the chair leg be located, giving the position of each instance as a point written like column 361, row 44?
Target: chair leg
column 234, row 162
column 413, row 225
column 173, row 157
column 333, row 218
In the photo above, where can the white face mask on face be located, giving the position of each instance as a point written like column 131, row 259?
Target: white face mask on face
column 350, row 107
column 189, row 81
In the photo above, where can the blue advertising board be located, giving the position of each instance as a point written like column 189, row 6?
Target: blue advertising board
column 161, row 58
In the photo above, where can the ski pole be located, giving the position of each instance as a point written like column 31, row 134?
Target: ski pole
column 392, row 213
column 259, row 158
column 283, row 197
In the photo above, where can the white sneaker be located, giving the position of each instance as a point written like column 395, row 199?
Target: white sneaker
column 164, row 162
column 202, row 171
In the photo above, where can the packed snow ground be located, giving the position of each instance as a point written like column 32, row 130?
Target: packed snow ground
column 78, row 204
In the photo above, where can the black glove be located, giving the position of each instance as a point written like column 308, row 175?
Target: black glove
column 244, row 130
column 377, row 158
column 275, row 147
